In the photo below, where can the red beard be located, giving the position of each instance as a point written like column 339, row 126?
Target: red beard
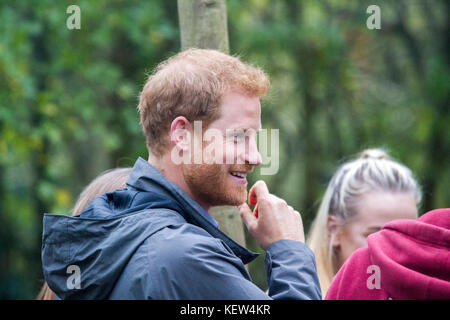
column 213, row 185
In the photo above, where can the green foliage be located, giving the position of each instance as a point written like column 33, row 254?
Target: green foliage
column 68, row 100
column 67, row 111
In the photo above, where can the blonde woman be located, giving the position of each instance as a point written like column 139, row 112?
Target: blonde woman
column 362, row 196
column 106, row 182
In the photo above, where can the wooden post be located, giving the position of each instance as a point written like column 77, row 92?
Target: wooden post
column 203, row 24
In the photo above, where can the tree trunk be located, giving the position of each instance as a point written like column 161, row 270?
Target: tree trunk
column 203, row 24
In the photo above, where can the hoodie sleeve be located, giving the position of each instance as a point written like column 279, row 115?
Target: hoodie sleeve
column 204, row 268
column 350, row 283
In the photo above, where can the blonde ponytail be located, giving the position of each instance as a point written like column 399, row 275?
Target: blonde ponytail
column 373, row 170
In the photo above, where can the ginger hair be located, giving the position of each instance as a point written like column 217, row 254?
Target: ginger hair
column 191, row 84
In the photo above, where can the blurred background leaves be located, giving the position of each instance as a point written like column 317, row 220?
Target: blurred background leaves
column 68, row 100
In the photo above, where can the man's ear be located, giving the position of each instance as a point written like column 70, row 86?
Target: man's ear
column 180, row 133
column 333, row 229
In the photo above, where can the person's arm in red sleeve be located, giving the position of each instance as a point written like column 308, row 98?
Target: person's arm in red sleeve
column 350, row 283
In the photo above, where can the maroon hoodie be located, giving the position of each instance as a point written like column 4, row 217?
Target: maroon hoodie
column 406, row 259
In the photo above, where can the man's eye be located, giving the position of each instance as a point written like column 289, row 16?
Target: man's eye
column 238, row 136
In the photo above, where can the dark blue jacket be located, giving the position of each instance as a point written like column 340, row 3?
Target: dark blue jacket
column 152, row 241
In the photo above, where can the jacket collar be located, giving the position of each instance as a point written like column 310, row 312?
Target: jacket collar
column 146, row 177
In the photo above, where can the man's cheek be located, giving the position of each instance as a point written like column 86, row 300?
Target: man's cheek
column 231, row 153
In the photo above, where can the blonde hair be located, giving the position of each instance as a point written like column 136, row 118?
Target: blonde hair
column 191, row 84
column 108, row 181
column 374, row 170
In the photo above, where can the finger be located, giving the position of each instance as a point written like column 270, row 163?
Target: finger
column 246, row 214
column 299, row 216
column 259, row 190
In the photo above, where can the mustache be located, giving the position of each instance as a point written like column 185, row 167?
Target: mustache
column 244, row 168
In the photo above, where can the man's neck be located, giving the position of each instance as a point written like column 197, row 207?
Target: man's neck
column 173, row 173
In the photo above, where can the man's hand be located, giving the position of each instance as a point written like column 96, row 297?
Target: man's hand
column 272, row 218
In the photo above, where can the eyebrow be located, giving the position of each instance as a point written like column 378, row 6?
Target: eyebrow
column 244, row 129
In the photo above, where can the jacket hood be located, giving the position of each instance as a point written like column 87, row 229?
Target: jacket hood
column 414, row 256
column 92, row 249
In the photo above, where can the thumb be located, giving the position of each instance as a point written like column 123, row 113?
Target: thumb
column 247, row 214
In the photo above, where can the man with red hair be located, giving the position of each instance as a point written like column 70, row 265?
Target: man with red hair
column 155, row 239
